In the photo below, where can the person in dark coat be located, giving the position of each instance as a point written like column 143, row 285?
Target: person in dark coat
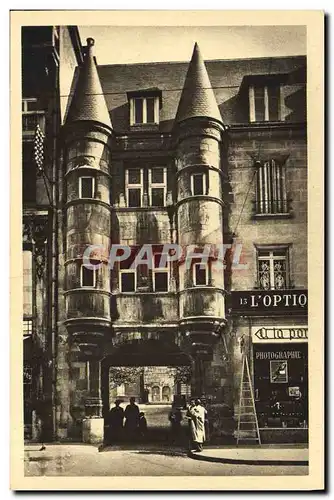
column 142, row 425
column 131, row 418
column 115, row 421
column 175, row 418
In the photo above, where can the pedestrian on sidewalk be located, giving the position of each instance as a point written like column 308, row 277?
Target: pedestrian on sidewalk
column 132, row 419
column 142, row 425
column 175, row 418
column 115, row 422
column 196, row 415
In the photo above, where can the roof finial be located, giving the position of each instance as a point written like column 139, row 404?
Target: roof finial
column 90, row 42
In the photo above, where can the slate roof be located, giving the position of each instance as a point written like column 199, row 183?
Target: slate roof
column 225, row 75
column 197, row 98
column 88, row 102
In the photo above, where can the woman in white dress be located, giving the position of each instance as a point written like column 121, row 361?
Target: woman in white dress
column 196, row 414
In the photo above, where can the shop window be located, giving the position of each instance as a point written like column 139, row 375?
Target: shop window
column 128, row 275
column 273, row 269
column 144, row 110
column 157, row 185
column 134, row 187
column 198, row 184
column 264, row 103
column 271, row 195
column 281, row 384
column 86, row 187
column 160, row 273
column 200, row 274
column 87, row 277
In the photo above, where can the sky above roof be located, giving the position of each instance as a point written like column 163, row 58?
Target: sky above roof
column 135, row 44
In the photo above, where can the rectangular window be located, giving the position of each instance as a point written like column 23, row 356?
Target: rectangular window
column 28, row 173
column 200, row 274
column 86, row 187
column 157, row 178
column 27, row 327
column 88, row 277
column 139, row 115
column 160, row 273
column 127, row 275
column 264, row 103
column 271, row 195
column 144, row 110
column 128, row 281
column 198, row 182
column 150, row 118
column 31, row 116
column 273, row 269
column 134, row 187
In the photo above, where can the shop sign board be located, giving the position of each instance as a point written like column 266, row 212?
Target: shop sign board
column 274, row 334
column 257, row 302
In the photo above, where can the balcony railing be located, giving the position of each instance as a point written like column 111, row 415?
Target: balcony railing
column 30, row 120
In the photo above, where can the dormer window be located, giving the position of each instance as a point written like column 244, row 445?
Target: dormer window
column 144, row 107
column 264, row 103
column 262, row 96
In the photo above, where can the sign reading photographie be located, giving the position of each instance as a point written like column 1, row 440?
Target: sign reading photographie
column 257, row 302
column 279, row 334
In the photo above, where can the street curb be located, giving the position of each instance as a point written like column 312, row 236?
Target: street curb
column 203, row 458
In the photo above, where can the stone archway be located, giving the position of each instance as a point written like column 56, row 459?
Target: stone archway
column 150, row 393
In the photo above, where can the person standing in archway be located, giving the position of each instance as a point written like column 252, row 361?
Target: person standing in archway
column 132, row 418
column 115, row 420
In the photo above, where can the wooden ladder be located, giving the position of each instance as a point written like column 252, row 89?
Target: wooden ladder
column 248, row 427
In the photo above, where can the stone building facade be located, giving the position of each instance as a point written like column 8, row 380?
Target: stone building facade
column 200, row 155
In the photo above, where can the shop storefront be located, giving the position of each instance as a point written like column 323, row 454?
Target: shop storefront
column 275, row 323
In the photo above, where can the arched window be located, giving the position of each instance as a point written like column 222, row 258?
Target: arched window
column 155, row 393
column 166, row 394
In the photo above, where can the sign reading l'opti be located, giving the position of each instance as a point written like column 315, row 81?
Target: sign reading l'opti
column 269, row 301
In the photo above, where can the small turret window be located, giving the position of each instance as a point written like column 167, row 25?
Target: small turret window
column 200, row 274
column 86, row 187
column 198, row 184
column 87, row 277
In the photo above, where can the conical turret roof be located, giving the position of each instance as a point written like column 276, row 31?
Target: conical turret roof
column 88, row 102
column 197, row 98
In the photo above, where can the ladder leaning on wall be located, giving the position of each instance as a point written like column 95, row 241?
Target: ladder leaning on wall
column 248, row 427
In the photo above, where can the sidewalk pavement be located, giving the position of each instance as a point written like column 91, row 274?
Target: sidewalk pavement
column 229, row 454
column 254, row 455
